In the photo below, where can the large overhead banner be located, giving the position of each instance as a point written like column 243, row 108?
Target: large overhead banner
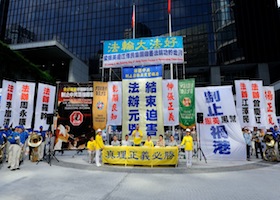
column 7, row 99
column 23, row 104
column 186, row 102
column 142, row 100
column 220, row 133
column 74, row 120
column 143, row 51
column 270, row 106
column 44, row 105
column 170, row 102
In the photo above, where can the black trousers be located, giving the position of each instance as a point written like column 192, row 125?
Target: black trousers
column 248, row 148
column 258, row 146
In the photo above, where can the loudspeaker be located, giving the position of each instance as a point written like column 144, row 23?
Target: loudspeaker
column 199, row 117
column 50, row 119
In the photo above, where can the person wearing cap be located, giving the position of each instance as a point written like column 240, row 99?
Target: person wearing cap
column 14, row 149
column 248, row 140
column 137, row 135
column 99, row 146
column 7, row 132
column 188, row 142
column 23, row 141
column 276, row 136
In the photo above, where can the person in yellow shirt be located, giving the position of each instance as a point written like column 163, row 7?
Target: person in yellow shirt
column 99, row 146
column 149, row 142
column 188, row 142
column 91, row 149
column 137, row 135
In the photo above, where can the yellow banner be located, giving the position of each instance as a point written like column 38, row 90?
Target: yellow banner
column 151, row 156
column 99, row 105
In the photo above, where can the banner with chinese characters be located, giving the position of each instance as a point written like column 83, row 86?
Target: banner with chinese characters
column 44, row 105
column 99, row 107
column 150, row 156
column 74, row 120
column 170, row 102
column 270, row 106
column 114, row 111
column 8, row 94
column 143, row 51
column 186, row 90
column 23, row 104
column 142, row 100
column 250, row 103
column 220, row 133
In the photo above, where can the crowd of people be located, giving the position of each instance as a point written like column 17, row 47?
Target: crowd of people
column 16, row 145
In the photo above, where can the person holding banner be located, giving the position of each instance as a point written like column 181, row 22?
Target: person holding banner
column 99, row 146
column 188, row 142
column 91, row 145
column 137, row 135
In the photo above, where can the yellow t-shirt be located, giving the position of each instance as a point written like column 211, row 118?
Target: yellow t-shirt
column 188, row 142
column 137, row 136
column 99, row 142
column 91, row 145
column 149, row 143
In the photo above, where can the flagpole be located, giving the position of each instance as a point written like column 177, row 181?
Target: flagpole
column 133, row 21
column 170, row 34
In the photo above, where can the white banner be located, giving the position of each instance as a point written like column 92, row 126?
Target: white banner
column 44, row 105
column 270, row 106
column 244, row 106
column 170, row 102
column 220, row 133
column 23, row 104
column 7, row 105
column 114, row 112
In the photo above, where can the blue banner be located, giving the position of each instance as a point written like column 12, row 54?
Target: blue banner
column 142, row 72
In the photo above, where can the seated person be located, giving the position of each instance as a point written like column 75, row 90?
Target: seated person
column 126, row 141
column 160, row 142
column 172, row 141
column 149, row 142
column 115, row 141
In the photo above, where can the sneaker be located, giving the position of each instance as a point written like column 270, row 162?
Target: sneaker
column 13, row 169
column 98, row 165
column 9, row 167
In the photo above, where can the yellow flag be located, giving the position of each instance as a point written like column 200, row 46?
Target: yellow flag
column 99, row 105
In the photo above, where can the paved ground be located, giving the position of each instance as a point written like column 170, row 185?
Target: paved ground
column 73, row 178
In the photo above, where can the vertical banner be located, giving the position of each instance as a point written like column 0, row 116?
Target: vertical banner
column 99, row 107
column 258, row 103
column 142, row 100
column 220, row 133
column 186, row 90
column 23, row 104
column 114, row 112
column 170, row 102
column 243, row 103
column 269, row 95
column 74, row 120
column 44, row 105
column 7, row 105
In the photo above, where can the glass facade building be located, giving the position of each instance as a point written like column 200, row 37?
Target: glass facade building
column 230, row 38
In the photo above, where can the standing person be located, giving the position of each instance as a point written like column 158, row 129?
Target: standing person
column 7, row 131
column 99, row 146
column 188, row 142
column 149, row 142
column 91, row 147
column 41, row 148
column 14, row 150
column 137, row 135
column 160, row 142
column 115, row 141
column 23, row 141
column 126, row 141
column 276, row 136
column 248, row 140
column 257, row 140
column 194, row 136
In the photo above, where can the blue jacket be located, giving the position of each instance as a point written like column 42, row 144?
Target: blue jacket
column 13, row 137
column 248, row 138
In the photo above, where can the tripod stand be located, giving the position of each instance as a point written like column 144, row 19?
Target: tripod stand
column 199, row 150
column 51, row 152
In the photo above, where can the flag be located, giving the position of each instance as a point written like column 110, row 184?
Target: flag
column 169, row 7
